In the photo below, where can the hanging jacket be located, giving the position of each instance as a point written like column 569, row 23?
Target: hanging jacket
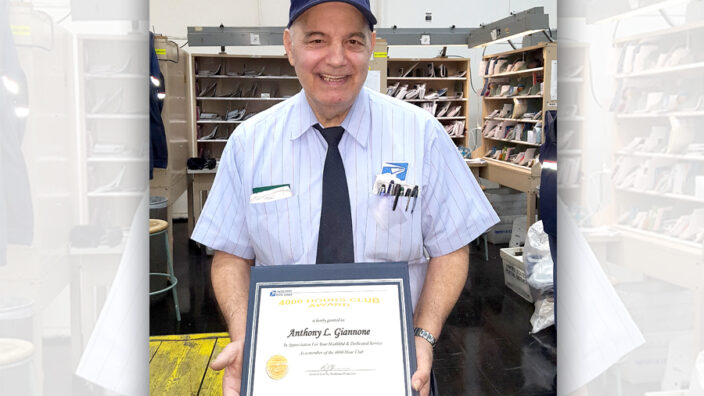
column 158, row 153
column 16, row 209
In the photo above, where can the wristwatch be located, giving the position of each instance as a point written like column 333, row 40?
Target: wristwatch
column 425, row 334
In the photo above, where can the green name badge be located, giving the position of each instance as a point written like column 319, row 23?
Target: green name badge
column 256, row 190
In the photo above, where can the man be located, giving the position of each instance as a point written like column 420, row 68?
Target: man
column 332, row 216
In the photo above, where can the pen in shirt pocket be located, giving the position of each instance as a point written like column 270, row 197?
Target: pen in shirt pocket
column 397, row 189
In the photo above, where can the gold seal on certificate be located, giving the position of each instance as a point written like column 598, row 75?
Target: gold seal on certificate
column 277, row 367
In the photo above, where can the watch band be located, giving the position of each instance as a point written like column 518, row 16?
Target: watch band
column 425, row 334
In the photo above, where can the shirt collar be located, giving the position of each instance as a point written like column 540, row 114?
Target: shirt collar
column 357, row 122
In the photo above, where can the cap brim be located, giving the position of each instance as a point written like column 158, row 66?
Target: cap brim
column 366, row 13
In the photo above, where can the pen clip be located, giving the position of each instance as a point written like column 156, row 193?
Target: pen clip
column 408, row 197
column 398, row 191
column 414, row 195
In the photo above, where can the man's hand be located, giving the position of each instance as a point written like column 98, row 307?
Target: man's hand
column 443, row 284
column 424, row 359
column 230, row 358
column 230, row 277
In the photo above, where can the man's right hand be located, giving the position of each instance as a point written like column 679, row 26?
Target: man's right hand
column 230, row 358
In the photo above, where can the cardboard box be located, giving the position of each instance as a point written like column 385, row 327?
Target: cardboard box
column 501, row 232
column 514, row 272
column 506, row 201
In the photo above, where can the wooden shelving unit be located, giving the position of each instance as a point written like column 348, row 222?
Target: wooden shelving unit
column 455, row 80
column 112, row 117
column 574, row 69
column 655, row 121
column 218, row 84
column 539, row 67
column 645, row 214
column 112, row 156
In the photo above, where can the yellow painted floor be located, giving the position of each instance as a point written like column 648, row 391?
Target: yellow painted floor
column 179, row 364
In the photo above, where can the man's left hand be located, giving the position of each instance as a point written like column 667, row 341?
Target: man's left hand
column 424, row 359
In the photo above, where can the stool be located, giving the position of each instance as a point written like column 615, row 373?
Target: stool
column 160, row 227
column 16, row 367
column 486, row 245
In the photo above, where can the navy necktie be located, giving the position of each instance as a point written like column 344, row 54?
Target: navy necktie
column 335, row 240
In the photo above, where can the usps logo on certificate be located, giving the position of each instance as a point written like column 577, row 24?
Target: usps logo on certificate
column 398, row 169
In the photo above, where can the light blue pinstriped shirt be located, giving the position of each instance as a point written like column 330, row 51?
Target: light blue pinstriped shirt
column 280, row 146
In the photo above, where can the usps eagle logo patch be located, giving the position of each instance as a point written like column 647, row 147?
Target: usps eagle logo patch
column 398, row 169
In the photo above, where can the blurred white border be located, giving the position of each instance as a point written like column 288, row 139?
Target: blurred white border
column 74, row 104
column 629, row 162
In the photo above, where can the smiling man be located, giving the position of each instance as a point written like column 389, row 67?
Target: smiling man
column 326, row 146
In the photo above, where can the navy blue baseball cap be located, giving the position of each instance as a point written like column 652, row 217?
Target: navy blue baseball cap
column 298, row 7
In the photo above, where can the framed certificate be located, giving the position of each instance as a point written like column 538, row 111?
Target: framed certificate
column 333, row 329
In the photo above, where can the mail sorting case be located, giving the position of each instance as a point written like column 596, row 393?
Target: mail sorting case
column 438, row 85
column 226, row 89
column 656, row 111
column 516, row 91
column 223, row 91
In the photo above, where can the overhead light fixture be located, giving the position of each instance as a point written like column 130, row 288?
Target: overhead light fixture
column 161, row 95
column 155, row 81
column 517, row 25
column 11, row 85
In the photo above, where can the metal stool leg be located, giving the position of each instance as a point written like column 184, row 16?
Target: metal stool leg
column 170, row 265
column 478, row 242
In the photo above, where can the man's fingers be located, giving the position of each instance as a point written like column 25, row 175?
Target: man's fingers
column 230, row 358
column 424, row 358
column 221, row 361
column 420, row 379
column 419, row 383
column 229, row 355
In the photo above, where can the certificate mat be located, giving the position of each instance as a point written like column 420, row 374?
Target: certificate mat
column 342, row 329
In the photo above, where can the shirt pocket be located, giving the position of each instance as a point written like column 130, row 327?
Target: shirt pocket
column 392, row 235
column 275, row 231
